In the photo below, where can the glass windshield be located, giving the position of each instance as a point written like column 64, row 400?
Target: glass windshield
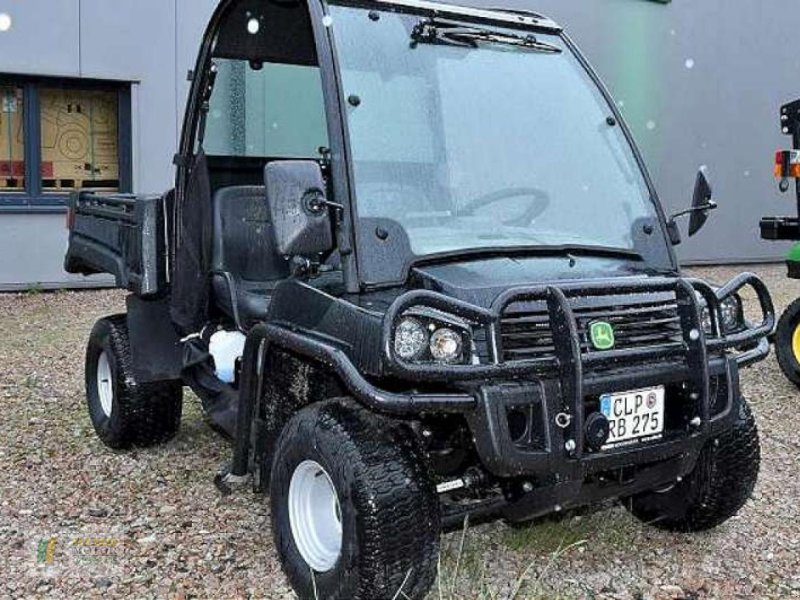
column 479, row 144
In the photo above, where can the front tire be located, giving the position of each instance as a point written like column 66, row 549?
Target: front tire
column 719, row 486
column 355, row 514
column 124, row 412
column 787, row 342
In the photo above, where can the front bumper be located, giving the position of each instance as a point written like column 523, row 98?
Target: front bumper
column 543, row 448
column 564, row 481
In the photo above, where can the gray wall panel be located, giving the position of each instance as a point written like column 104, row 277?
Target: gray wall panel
column 33, row 253
column 43, row 39
column 135, row 40
column 720, row 112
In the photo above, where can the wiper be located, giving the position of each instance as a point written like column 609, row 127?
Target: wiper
column 566, row 250
column 431, row 31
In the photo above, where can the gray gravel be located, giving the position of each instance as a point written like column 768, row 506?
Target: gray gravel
column 150, row 523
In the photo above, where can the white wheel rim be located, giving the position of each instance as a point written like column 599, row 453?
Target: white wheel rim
column 105, row 386
column 315, row 516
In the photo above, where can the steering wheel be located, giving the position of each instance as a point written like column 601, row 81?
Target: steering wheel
column 540, row 200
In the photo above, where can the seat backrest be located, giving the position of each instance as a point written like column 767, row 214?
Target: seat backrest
column 244, row 243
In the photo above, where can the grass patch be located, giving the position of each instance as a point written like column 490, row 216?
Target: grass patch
column 31, row 380
column 546, row 536
column 34, row 289
column 467, row 569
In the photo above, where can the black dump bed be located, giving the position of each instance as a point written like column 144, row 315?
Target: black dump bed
column 120, row 234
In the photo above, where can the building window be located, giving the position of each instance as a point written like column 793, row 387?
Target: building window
column 57, row 136
column 80, row 139
column 12, row 140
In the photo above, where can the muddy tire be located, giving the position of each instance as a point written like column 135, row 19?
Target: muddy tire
column 125, row 413
column 787, row 342
column 717, row 488
column 355, row 514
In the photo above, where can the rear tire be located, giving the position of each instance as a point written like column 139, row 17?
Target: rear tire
column 379, row 536
column 718, row 487
column 125, row 413
column 787, row 342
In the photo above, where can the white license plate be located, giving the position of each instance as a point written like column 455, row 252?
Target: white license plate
column 634, row 416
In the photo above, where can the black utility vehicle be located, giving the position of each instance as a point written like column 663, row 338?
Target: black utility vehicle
column 414, row 266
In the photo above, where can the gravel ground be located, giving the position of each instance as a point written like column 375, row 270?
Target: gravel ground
column 79, row 520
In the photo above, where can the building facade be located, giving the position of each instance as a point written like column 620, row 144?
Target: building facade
column 92, row 95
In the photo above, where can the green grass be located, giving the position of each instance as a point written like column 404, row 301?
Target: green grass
column 532, row 555
column 547, row 535
column 34, row 289
column 466, row 569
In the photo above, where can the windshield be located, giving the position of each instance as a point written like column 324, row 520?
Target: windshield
column 479, row 141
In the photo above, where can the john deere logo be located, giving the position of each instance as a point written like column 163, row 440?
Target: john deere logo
column 602, row 335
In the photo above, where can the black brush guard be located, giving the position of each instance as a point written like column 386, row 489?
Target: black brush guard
column 568, row 360
column 566, row 376
column 564, row 379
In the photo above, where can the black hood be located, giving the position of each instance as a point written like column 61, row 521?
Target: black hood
column 479, row 282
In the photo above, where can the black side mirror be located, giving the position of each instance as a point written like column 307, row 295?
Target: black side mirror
column 702, row 204
column 299, row 208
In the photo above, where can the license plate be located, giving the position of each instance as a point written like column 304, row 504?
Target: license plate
column 634, row 416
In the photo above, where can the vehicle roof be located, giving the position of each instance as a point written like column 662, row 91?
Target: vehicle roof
column 507, row 16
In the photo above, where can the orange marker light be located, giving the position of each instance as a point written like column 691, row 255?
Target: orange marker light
column 787, row 164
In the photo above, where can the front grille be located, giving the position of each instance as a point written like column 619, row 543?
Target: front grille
column 526, row 334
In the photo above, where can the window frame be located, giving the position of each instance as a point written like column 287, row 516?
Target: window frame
column 34, row 199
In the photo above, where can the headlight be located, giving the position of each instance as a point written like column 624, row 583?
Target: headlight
column 426, row 335
column 410, row 339
column 446, row 345
column 730, row 316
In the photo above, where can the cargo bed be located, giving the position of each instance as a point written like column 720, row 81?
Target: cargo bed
column 121, row 234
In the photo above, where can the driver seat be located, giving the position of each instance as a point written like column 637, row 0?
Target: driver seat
column 244, row 261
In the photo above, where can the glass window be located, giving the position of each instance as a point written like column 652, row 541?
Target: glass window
column 276, row 110
column 493, row 146
column 58, row 135
column 392, row 126
column 12, row 140
column 80, row 141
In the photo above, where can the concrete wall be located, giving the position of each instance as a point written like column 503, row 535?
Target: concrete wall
column 699, row 83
